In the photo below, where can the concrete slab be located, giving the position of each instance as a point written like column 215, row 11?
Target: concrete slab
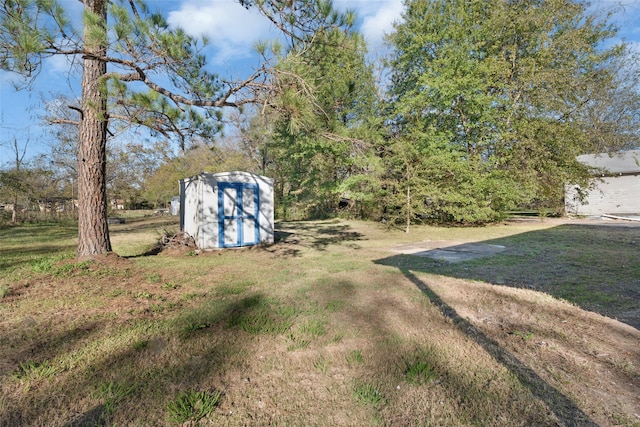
column 449, row 251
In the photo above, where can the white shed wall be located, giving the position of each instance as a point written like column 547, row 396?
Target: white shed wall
column 610, row 195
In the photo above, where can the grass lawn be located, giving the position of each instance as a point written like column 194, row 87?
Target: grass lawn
column 328, row 326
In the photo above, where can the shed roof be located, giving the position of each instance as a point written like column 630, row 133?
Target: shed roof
column 622, row 162
column 229, row 176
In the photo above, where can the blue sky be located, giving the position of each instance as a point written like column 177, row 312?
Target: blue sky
column 232, row 31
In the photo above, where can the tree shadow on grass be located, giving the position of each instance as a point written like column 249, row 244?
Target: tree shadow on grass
column 596, row 267
column 561, row 406
column 95, row 417
column 13, row 258
column 142, row 224
column 143, row 373
column 290, row 238
column 19, row 245
column 315, row 235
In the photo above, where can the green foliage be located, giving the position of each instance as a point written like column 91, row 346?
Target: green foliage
column 112, row 393
column 42, row 265
column 34, row 371
column 53, row 265
column 14, row 181
column 486, row 111
column 427, row 182
column 5, row 216
column 306, row 332
column 297, row 342
column 355, row 357
column 317, row 137
column 524, row 335
column 154, row 278
column 235, row 288
column 418, row 369
column 419, row 373
column 321, row 364
column 335, row 305
column 143, row 295
column 193, row 327
column 201, row 319
column 368, row 393
column 257, row 315
column 157, row 76
column 192, row 405
column 489, row 104
column 314, row 328
column 23, row 39
column 225, row 155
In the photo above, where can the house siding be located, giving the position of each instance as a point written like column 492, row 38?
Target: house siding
column 609, row 195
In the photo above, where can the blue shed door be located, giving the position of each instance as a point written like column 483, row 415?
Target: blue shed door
column 238, row 208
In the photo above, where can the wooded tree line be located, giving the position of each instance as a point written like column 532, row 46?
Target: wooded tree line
column 479, row 108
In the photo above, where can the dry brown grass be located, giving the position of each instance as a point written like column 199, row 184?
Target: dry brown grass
column 113, row 342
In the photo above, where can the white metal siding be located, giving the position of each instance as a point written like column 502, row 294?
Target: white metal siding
column 208, row 227
column 190, row 210
column 611, row 195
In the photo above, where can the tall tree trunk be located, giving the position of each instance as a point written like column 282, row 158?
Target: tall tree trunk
column 408, row 218
column 14, row 214
column 19, row 158
column 93, row 232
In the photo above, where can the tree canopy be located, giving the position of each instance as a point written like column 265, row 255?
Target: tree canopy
column 496, row 99
column 320, row 127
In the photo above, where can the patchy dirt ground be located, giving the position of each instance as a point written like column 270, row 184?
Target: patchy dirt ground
column 557, row 348
column 594, row 264
column 591, row 264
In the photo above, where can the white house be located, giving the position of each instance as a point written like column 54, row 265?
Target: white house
column 615, row 188
column 229, row 209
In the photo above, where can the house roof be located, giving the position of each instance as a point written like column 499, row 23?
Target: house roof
column 622, row 162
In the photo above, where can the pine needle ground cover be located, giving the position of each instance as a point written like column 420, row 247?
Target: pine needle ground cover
column 326, row 327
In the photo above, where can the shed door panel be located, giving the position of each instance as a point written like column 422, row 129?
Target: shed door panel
column 238, row 214
column 230, row 219
column 250, row 210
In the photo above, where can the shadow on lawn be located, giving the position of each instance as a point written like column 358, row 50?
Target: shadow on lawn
column 594, row 266
column 317, row 235
column 142, row 224
column 563, row 408
column 145, row 373
column 20, row 245
column 12, row 257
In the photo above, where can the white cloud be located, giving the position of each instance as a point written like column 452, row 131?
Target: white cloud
column 59, row 64
column 231, row 29
column 375, row 26
column 376, row 17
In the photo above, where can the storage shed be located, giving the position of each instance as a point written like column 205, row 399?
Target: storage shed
column 228, row 209
column 615, row 188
